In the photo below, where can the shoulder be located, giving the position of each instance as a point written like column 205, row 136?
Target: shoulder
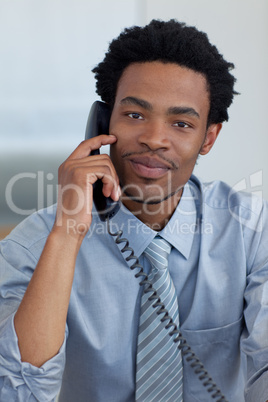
column 219, row 199
column 218, row 194
column 34, row 229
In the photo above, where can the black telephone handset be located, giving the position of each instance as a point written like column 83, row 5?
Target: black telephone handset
column 98, row 123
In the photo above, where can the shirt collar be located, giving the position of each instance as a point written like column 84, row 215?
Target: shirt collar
column 181, row 228
column 179, row 231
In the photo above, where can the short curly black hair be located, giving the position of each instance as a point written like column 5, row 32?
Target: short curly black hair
column 168, row 42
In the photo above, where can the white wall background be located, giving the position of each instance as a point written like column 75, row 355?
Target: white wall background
column 47, row 51
column 48, row 48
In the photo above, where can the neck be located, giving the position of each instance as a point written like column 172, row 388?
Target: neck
column 156, row 216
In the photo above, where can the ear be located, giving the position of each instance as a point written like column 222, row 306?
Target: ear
column 211, row 136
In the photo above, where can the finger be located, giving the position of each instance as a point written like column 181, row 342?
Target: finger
column 91, row 164
column 85, row 147
column 82, row 174
column 111, row 189
column 110, row 182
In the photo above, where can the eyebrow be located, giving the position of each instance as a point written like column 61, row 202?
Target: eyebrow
column 183, row 110
column 132, row 100
column 174, row 110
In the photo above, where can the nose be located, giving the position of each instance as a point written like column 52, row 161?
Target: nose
column 155, row 136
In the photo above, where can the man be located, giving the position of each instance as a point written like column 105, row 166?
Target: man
column 70, row 305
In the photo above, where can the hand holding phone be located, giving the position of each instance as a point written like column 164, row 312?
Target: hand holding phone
column 98, row 123
column 77, row 176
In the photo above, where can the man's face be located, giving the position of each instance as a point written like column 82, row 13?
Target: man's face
column 160, row 121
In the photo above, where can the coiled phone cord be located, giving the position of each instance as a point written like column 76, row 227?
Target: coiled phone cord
column 185, row 349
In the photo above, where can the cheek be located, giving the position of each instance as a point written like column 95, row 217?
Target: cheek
column 186, row 152
column 124, row 144
column 116, row 152
column 114, row 156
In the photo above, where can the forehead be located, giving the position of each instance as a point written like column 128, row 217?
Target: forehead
column 164, row 84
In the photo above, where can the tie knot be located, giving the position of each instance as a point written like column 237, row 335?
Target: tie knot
column 157, row 252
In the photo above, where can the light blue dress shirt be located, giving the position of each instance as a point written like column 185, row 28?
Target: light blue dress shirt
column 219, row 265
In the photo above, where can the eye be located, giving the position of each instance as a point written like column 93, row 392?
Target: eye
column 135, row 116
column 181, row 124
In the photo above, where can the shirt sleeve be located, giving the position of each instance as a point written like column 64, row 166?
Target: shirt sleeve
column 255, row 337
column 21, row 381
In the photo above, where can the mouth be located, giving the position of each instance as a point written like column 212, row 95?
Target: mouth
column 149, row 167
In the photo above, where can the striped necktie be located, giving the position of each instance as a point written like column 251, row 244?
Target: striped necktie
column 159, row 363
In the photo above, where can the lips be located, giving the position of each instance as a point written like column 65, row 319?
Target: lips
column 149, row 167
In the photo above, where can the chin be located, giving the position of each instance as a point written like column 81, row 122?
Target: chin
column 149, row 199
